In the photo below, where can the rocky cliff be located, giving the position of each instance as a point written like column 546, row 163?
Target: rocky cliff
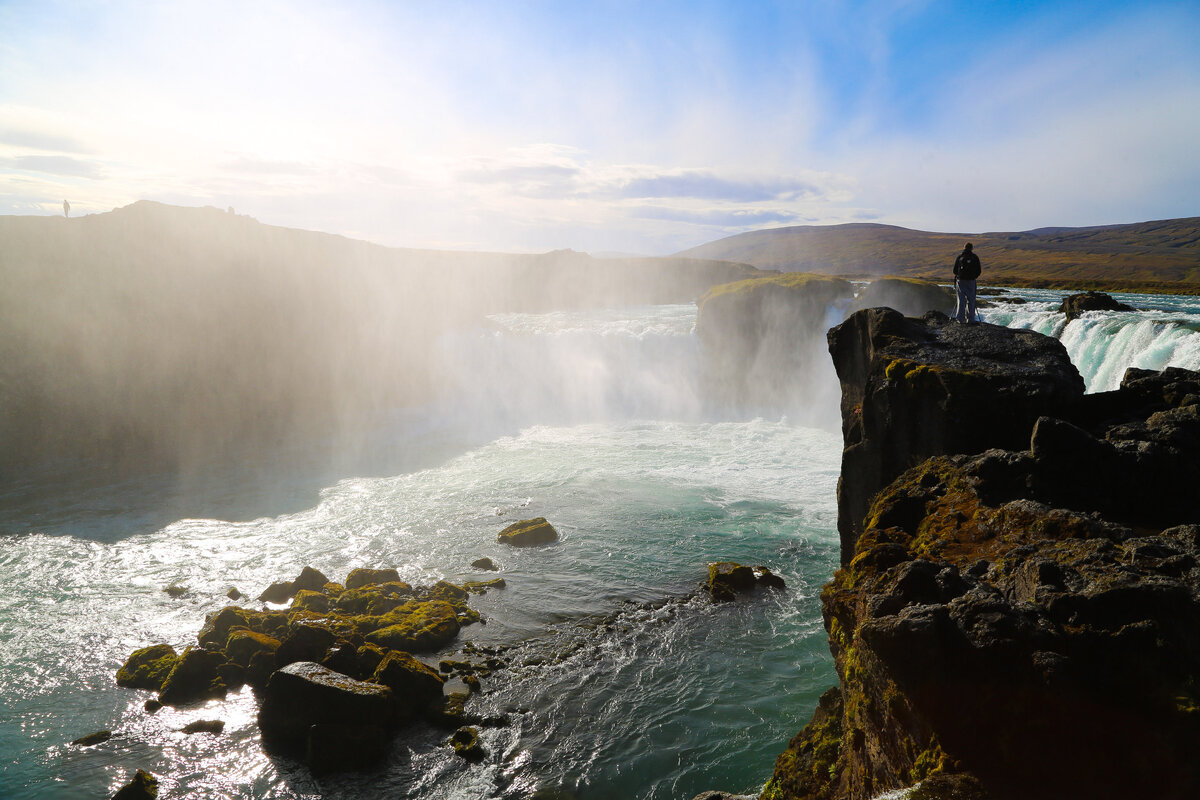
column 1016, row 615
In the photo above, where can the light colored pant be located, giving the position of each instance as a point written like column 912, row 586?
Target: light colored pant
column 965, row 310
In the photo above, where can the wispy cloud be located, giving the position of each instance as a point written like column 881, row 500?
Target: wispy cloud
column 54, row 165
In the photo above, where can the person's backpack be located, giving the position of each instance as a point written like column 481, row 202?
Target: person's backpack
column 969, row 269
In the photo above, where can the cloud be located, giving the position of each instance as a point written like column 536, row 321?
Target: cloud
column 706, row 185
column 41, row 140
column 55, row 165
column 255, row 166
column 741, row 218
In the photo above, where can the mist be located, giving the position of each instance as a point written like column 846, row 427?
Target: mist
column 188, row 340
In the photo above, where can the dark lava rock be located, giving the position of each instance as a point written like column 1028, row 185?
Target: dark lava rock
column 148, row 667
column 485, row 564
column 414, row 684
column 914, row 388
column 144, row 786
column 304, row 695
column 1017, row 622
column 195, row 678
column 338, row 747
column 1075, row 304
column 371, row 577
column 727, row 579
column 528, row 533
column 213, row 726
column 466, row 743
column 93, row 739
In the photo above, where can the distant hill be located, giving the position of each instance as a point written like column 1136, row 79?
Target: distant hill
column 1146, row 256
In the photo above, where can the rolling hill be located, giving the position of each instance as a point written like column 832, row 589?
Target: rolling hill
column 1160, row 256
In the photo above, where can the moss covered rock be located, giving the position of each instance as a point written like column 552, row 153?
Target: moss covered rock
column 369, row 577
column 148, row 667
column 528, row 533
column 417, row 627
column 414, row 683
column 143, row 786
column 196, row 677
column 243, row 644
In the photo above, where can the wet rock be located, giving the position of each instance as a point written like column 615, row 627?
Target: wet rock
column 371, row 577
column 1049, row 588
column 93, row 739
column 152, row 705
column 528, row 533
column 175, row 590
column 915, row 388
column 339, row 747
column 304, row 643
column 234, row 595
column 303, row 695
column 282, row 591
column 243, row 644
column 485, row 564
column 466, row 743
column 144, row 786
column 213, row 726
column 1074, row 305
column 479, row 587
column 277, row 592
column 727, row 579
column 417, row 627
column 195, row 678
column 414, row 684
column 148, row 667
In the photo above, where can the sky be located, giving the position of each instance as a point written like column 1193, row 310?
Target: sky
column 635, row 127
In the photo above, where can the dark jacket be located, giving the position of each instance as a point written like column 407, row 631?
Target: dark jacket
column 967, row 266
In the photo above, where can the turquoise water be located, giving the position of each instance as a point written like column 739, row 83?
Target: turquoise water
column 623, row 681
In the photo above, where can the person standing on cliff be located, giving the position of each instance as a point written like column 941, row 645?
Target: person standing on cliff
column 966, row 270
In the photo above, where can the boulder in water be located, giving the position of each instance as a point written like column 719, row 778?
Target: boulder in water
column 1075, row 304
column 727, row 579
column 485, row 564
column 148, row 667
column 417, row 627
column 371, row 577
column 414, row 684
column 528, row 533
column 303, row 695
column 195, row 678
column 93, row 739
column 144, row 786
column 466, row 743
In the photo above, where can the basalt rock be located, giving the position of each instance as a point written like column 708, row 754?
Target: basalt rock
column 143, row 786
column 913, row 388
column 306, row 707
column 528, row 533
column 1011, row 623
column 148, row 667
column 196, row 677
column 1075, row 304
column 728, row 579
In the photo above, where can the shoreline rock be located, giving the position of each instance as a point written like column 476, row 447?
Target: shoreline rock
column 1016, row 620
column 528, row 533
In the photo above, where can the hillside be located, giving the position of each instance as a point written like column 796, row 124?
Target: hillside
column 1161, row 256
column 169, row 336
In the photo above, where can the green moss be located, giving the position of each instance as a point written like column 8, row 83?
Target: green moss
column 417, row 627
column 148, row 667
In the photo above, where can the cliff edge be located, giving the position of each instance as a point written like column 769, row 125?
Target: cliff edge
column 1016, row 614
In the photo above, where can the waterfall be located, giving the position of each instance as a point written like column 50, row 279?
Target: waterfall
column 1164, row 332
